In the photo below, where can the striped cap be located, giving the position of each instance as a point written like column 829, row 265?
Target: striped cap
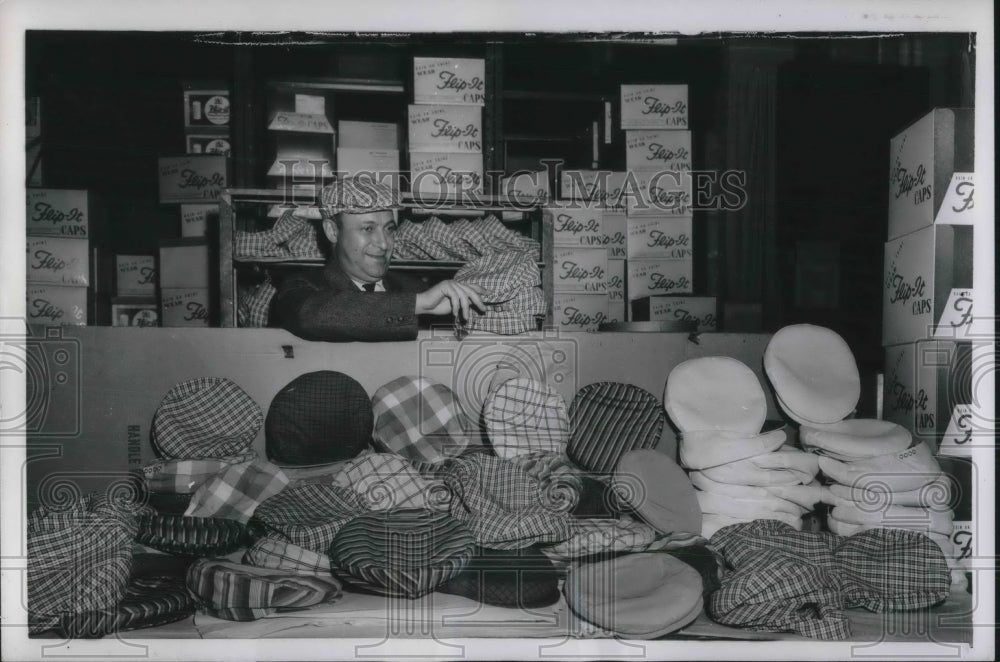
column 357, row 195
column 318, row 417
column 207, row 417
column 407, row 552
column 418, row 419
column 608, row 419
column 148, row 602
column 526, row 416
column 191, row 536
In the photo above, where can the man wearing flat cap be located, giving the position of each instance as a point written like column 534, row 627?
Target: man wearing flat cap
column 355, row 296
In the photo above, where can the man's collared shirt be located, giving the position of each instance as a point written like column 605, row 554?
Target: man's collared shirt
column 379, row 287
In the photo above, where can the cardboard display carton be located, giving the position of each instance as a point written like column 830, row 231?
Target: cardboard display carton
column 685, row 309
column 443, row 174
column 579, row 312
column 184, row 306
column 654, row 107
column 56, row 304
column 135, row 275
column 580, row 270
column 367, row 135
column 577, row 225
column 441, row 128
column 58, row 261
column 649, row 276
column 658, row 150
column 439, row 80
column 196, row 219
column 59, row 212
column 192, row 178
column 660, row 237
column 184, row 263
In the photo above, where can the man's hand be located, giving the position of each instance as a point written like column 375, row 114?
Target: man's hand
column 449, row 296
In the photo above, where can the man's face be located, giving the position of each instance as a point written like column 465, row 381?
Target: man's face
column 362, row 243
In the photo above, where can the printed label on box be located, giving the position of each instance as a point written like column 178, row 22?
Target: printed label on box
column 958, row 206
column 615, row 234
column 526, row 187
column 658, row 150
column 579, row 312
column 53, row 304
column 195, row 219
column 656, row 276
column 57, row 260
column 184, row 306
column 963, row 540
column 135, row 314
column 367, row 135
column 956, row 320
column 616, row 281
column 300, row 123
column 136, row 275
column 208, row 145
column 449, row 80
column 446, row 128
column 701, row 310
column 659, row 193
column 580, row 270
column 192, row 178
column 577, row 226
column 654, row 106
column 602, row 187
column 61, row 212
column 445, row 174
column 660, row 237
column 206, row 108
column 958, row 438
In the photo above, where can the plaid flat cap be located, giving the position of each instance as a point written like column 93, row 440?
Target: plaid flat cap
column 715, row 393
column 525, row 416
column 704, row 449
column 447, row 235
column 357, row 195
column 813, row 373
column 855, row 438
column 319, row 417
column 638, row 596
column 591, row 537
column 253, row 307
column 561, row 482
column 658, row 491
column 309, row 515
column 79, row 560
column 186, row 476
column 512, row 282
column 148, row 602
column 520, row 579
column 785, row 466
column 239, row 592
column 503, row 506
column 279, row 554
column 903, row 471
column 191, row 536
column 607, row 420
column 237, row 490
column 418, row 419
column 292, row 237
column 207, row 417
column 384, row 481
column 406, row 552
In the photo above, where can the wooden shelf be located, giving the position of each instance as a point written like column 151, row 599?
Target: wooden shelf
column 342, row 84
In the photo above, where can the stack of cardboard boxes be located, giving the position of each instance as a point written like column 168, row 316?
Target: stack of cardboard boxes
column 58, row 256
column 928, row 324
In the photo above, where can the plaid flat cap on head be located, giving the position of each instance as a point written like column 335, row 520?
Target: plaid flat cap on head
column 715, row 393
column 525, row 416
column 148, row 602
column 357, row 195
column 236, row 491
column 658, row 491
column 607, row 420
column 503, row 506
column 310, row 515
column 192, row 536
column 279, row 554
column 418, row 419
column 407, row 552
column 384, row 481
column 317, row 418
column 238, row 592
column 521, row 579
column 207, row 417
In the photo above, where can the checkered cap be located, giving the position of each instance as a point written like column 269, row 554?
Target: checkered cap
column 590, row 537
column 406, row 242
column 503, row 506
column 521, row 578
column 492, row 233
column 502, row 275
column 237, row 490
column 253, row 308
column 446, row 236
column 608, row 419
column 278, row 554
column 291, row 237
column 207, row 417
column 79, row 559
column 384, row 481
column 186, row 476
column 239, row 592
column 148, row 602
column 309, row 515
column 405, row 552
column 357, row 195
column 562, row 483
column 525, row 416
column 191, row 536
column 318, row 417
column 418, row 419
column 432, row 242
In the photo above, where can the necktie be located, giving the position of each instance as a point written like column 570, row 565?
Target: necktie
column 368, row 287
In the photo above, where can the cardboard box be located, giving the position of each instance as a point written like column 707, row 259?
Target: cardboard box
column 929, row 383
column 648, row 276
column 184, row 306
column 184, row 263
column 206, row 108
column 377, row 162
column 300, row 123
column 192, row 178
column 58, row 261
column 577, row 224
column 302, row 158
column 659, row 193
column 660, row 237
column 658, row 150
column 367, row 135
column 207, row 144
column 441, row 174
column 56, row 304
column 616, row 234
column 449, row 80
column 134, row 311
column 525, row 186
column 60, row 212
column 617, row 311
column 579, row 312
column 654, row 106
column 196, row 219
column 445, row 129
column 616, row 282
column 930, row 172
column 927, row 285
column 685, row 309
column 580, row 270
column 136, row 275
column 603, row 187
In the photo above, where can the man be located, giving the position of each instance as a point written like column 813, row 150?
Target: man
column 355, row 296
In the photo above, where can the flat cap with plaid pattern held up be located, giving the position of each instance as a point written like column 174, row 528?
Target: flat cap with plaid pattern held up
column 206, row 417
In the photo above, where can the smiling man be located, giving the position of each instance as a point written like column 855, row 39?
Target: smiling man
column 355, row 296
